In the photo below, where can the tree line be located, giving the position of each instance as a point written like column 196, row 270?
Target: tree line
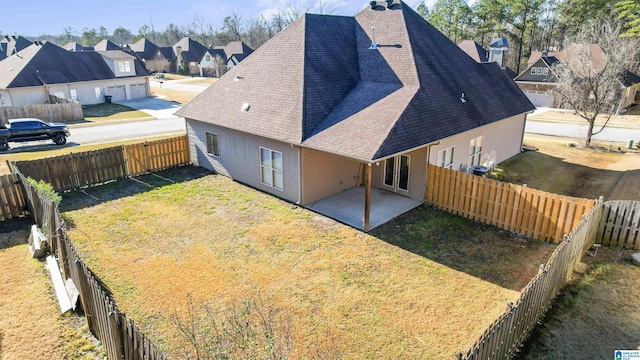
column 529, row 25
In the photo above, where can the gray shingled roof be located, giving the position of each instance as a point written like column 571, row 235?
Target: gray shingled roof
column 475, row 50
column 105, row 45
column 11, row 43
column 237, row 48
column 332, row 93
column 144, row 48
column 192, row 51
column 51, row 64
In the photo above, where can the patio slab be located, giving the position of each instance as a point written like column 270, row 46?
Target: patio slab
column 348, row 207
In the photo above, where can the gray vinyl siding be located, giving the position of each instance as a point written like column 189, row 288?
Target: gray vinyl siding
column 527, row 76
column 240, row 157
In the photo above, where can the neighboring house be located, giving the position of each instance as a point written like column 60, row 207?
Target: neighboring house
column 496, row 53
column 144, row 49
column 163, row 60
column 106, row 45
column 228, row 56
column 189, row 53
column 538, row 80
column 11, row 44
column 235, row 52
column 74, row 46
column 330, row 113
column 45, row 69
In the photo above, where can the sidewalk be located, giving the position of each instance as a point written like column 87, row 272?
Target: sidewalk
column 569, row 117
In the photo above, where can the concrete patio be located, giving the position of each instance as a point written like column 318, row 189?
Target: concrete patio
column 348, row 207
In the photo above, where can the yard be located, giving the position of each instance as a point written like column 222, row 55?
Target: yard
column 423, row 286
column 588, row 173
column 109, row 112
column 31, row 326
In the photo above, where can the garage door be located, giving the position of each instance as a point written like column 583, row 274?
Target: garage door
column 117, row 93
column 540, row 99
column 138, row 90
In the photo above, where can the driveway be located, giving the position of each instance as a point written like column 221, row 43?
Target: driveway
column 158, row 108
column 179, row 85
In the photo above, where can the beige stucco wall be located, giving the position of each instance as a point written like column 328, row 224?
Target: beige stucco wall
column 504, row 137
column 325, row 174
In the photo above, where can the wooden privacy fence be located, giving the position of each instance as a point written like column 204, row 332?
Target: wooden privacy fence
column 502, row 338
column 120, row 337
column 12, row 203
column 516, row 208
column 46, row 112
column 76, row 170
column 620, row 226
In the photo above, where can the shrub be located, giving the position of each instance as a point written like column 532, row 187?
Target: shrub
column 46, row 189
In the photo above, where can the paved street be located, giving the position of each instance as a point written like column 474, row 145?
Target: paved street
column 578, row 131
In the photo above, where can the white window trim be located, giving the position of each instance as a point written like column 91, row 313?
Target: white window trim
column 273, row 170
column 214, row 148
column 475, row 151
column 444, row 162
column 124, row 66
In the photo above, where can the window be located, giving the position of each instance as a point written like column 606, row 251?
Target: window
column 213, row 144
column 534, row 70
column 124, row 66
column 545, row 71
column 475, row 151
column 207, row 57
column 74, row 94
column 271, row 168
column 445, row 158
column 98, row 93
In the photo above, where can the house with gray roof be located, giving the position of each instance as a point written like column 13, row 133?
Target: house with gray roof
column 189, row 53
column 74, row 46
column 11, row 44
column 358, row 107
column 45, row 69
column 106, row 45
column 538, row 80
column 144, row 49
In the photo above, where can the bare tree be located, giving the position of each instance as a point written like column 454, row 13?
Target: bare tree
column 157, row 65
column 591, row 84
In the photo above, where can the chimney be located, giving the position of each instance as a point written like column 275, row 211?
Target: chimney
column 545, row 54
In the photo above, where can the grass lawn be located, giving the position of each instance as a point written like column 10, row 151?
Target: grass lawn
column 595, row 316
column 181, row 97
column 107, row 112
column 565, row 170
column 423, row 286
column 31, row 326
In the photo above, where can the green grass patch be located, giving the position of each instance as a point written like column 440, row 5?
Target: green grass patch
column 107, row 112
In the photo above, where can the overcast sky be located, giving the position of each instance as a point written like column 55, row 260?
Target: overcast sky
column 37, row 17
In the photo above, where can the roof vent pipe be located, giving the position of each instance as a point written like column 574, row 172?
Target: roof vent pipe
column 389, row 4
column 373, row 4
column 374, row 44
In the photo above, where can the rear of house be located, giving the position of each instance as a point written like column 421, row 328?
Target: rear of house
column 366, row 111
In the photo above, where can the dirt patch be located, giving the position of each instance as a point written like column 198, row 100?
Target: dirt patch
column 363, row 295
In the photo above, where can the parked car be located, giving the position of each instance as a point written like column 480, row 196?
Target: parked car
column 21, row 130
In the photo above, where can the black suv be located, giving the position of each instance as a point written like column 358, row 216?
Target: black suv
column 20, row 130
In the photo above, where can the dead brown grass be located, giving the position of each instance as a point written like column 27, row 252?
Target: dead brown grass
column 31, row 326
column 595, row 316
column 154, row 241
column 181, row 97
column 572, row 171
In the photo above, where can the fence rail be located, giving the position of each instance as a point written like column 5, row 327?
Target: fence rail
column 12, row 203
column 516, row 208
column 620, row 227
column 76, row 170
column 120, row 337
column 47, row 112
column 501, row 339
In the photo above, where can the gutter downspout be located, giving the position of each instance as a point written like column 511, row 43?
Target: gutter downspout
column 524, row 125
